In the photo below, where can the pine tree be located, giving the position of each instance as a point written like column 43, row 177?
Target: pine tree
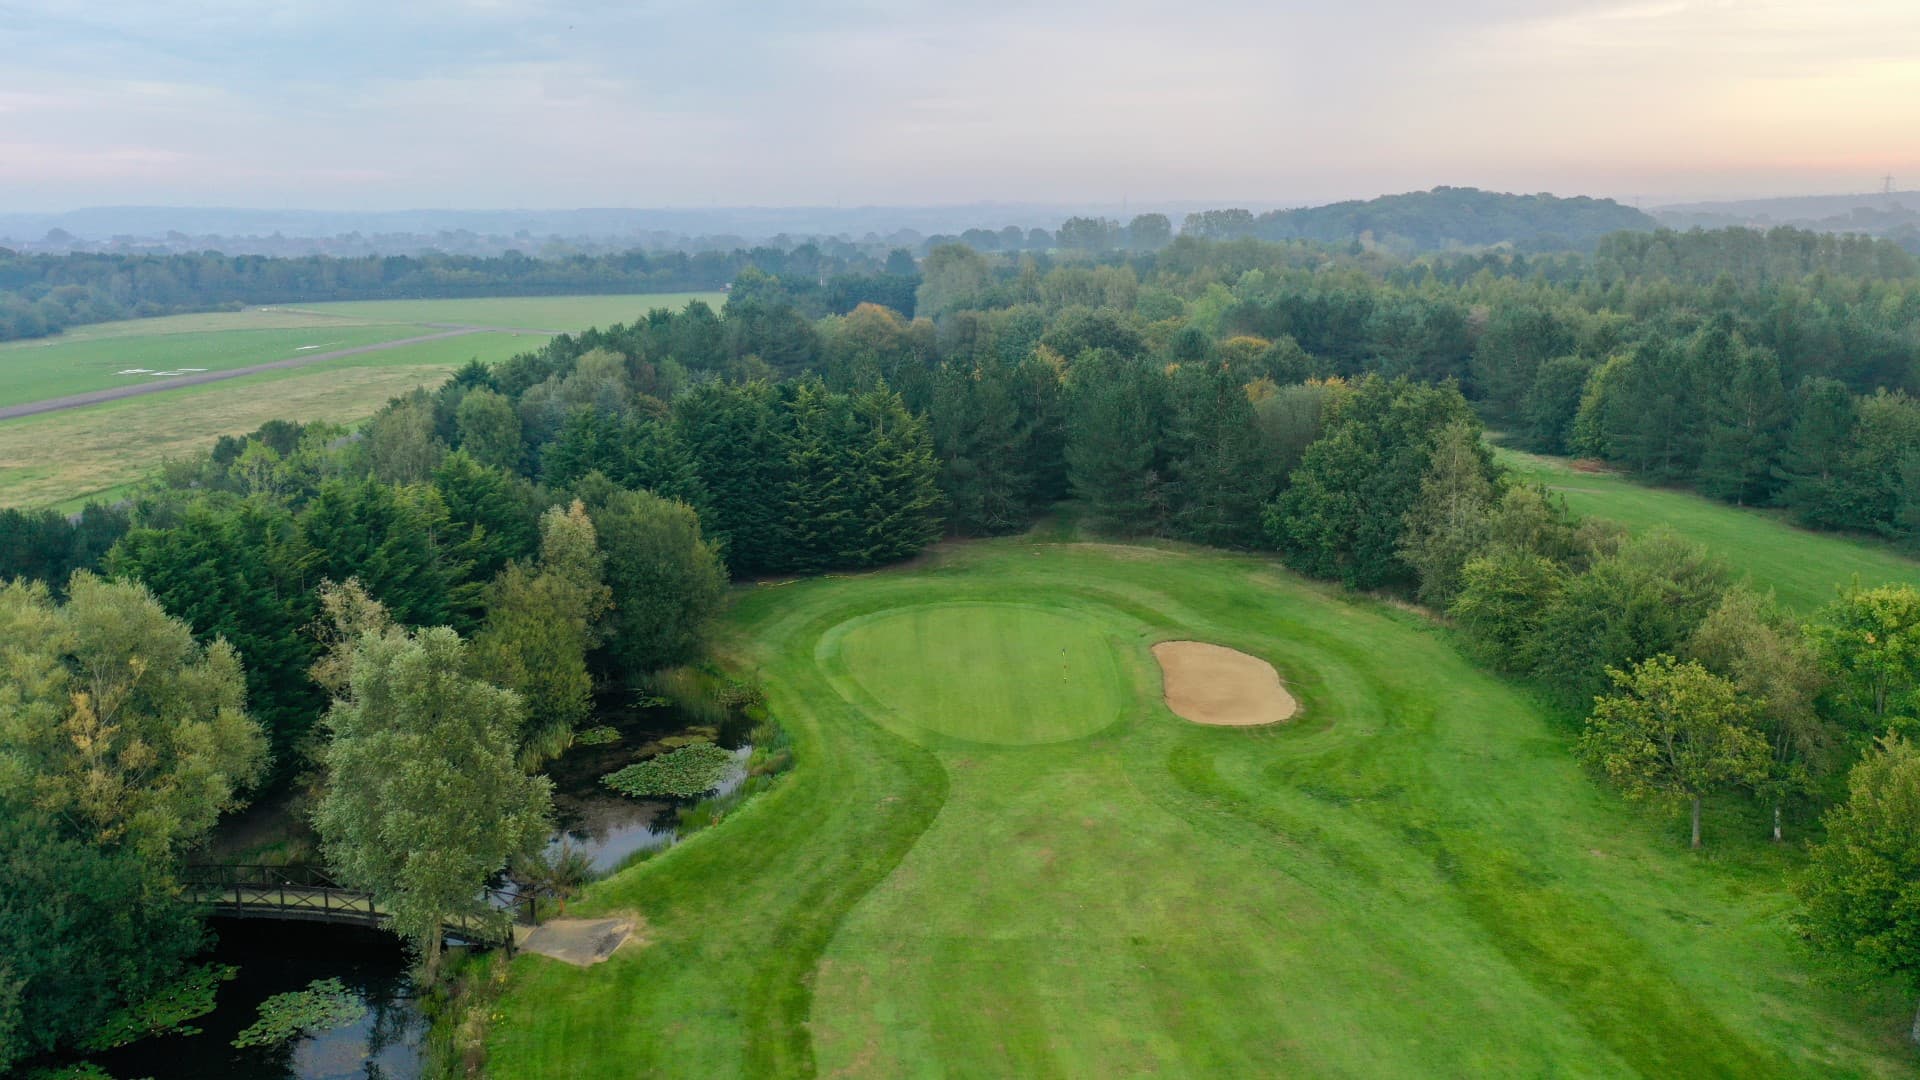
column 1746, row 411
column 1116, row 425
column 735, row 437
column 1220, row 478
column 898, row 498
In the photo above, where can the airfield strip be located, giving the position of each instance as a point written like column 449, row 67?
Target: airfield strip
column 118, row 393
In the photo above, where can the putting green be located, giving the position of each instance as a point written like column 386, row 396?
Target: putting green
column 995, row 673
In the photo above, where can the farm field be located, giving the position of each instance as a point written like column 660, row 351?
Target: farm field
column 1000, row 854
column 1801, row 566
column 105, row 447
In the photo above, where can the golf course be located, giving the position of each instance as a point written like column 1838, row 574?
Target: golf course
column 1001, row 853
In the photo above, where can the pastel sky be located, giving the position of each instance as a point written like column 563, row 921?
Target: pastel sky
column 352, row 104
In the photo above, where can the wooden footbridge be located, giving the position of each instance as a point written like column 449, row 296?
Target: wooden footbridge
column 310, row 894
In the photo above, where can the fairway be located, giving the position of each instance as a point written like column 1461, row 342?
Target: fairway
column 981, row 868
column 1804, row 568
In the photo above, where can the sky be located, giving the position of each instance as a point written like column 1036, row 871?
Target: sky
column 354, row 105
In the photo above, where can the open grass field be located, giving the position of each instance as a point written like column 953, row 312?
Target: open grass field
column 65, row 458
column 1000, row 855
column 1801, row 566
column 32, row 371
column 531, row 312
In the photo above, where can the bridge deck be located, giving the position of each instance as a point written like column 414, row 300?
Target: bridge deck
column 308, row 894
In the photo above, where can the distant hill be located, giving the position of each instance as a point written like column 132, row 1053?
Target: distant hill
column 1895, row 215
column 1450, row 218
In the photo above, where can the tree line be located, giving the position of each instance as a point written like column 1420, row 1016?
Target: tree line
column 45, row 294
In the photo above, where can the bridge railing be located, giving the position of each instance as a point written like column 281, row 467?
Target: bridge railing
column 309, row 892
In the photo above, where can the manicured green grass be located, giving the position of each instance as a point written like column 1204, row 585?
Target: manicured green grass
column 980, row 869
column 1009, row 674
column 531, row 312
column 1803, row 567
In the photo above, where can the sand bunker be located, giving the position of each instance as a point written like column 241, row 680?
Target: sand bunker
column 1212, row 684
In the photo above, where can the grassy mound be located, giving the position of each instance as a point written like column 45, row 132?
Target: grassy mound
column 1412, row 878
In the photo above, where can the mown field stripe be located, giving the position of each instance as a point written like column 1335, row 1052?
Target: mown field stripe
column 119, row 393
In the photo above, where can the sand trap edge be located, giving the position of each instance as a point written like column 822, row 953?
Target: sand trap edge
column 1213, row 685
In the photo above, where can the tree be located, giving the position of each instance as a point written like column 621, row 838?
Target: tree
column 122, row 740
column 1220, row 480
column 951, row 276
column 425, row 797
column 1449, row 522
column 1346, row 509
column 1116, row 419
column 1517, row 340
column 1503, row 599
column 1642, row 598
column 1553, row 402
column 1869, row 643
column 1748, row 639
column 735, row 436
column 242, row 574
column 983, row 447
column 541, row 622
column 896, row 494
column 1815, row 457
column 1149, row 232
column 118, row 721
column 1862, row 891
column 1747, row 409
column 390, row 539
column 666, row 580
column 1674, row 730
column 489, row 429
column 400, row 446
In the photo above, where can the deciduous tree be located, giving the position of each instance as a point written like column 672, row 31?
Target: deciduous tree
column 1674, row 730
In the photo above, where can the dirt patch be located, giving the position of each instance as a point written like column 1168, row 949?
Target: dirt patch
column 580, row 942
column 1212, row 684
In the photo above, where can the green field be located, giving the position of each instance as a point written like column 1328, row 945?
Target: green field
column 33, row 371
column 1802, row 567
column 62, row 459
column 65, row 458
column 1000, row 855
column 530, row 312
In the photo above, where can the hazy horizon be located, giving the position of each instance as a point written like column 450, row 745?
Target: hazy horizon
column 492, row 104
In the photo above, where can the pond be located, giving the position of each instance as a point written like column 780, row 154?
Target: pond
column 608, row 827
column 387, row 1043
column 277, row 957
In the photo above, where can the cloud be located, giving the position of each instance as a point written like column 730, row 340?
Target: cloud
column 491, row 102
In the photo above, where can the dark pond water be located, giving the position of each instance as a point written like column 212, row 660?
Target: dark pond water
column 277, row 957
column 609, row 827
column 387, row 1043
